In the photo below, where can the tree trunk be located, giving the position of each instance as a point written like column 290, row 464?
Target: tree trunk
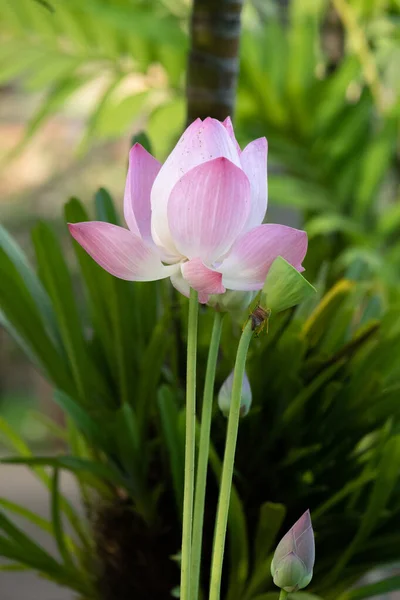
column 214, row 58
column 333, row 39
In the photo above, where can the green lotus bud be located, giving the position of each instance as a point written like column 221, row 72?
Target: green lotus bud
column 225, row 395
column 293, row 561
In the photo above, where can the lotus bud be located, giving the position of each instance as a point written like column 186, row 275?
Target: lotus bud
column 225, row 395
column 293, row 561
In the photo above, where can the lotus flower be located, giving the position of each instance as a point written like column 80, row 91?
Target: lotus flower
column 293, row 561
column 225, row 396
column 197, row 218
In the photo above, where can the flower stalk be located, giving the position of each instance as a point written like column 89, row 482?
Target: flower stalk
column 227, row 468
column 204, row 446
column 189, row 446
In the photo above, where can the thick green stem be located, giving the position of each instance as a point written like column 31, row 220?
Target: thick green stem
column 204, row 446
column 283, row 595
column 227, row 468
column 214, row 58
column 189, row 445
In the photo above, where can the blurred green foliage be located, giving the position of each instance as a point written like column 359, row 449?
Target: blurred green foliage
column 332, row 129
column 331, row 115
column 322, row 433
column 324, row 428
column 112, row 45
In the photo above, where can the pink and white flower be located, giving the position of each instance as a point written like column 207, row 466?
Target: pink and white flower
column 197, row 218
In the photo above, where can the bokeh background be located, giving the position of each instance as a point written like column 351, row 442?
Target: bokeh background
column 79, row 79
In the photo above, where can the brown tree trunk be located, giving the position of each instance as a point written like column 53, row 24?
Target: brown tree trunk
column 214, row 58
column 333, row 39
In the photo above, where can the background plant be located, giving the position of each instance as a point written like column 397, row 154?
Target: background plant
column 326, row 378
column 332, row 440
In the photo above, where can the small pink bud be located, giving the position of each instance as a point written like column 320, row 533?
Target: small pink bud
column 225, row 395
column 293, row 561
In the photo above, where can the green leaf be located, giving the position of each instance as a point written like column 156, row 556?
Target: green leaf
column 330, row 305
column 131, row 451
column 333, row 223
column 303, row 596
column 13, row 567
column 392, row 584
column 301, row 63
column 17, row 537
column 22, row 317
column 352, row 486
column 122, row 115
column 169, row 412
column 298, row 404
column 165, row 125
column 21, row 62
column 97, row 286
column 32, row 283
column 284, row 287
column 88, row 379
column 30, row 556
column 376, row 163
column 151, row 368
column 105, row 209
column 95, row 432
column 293, row 596
column 27, row 514
column 60, row 92
column 52, row 427
column 35, row 519
column 143, row 139
column 384, row 485
column 287, row 190
column 135, row 21
column 270, row 519
column 96, row 115
column 52, row 69
column 58, row 529
column 71, row 463
column 46, row 5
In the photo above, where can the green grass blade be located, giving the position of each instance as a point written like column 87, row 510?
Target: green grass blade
column 55, row 274
column 56, row 518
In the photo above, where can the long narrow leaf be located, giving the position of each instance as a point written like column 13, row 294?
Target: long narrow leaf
column 15, row 442
column 56, row 277
column 386, row 586
column 56, row 518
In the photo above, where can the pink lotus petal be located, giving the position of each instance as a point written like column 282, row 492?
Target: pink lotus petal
column 180, row 284
column 207, row 209
column 183, row 287
column 254, row 163
column 202, row 279
column 304, row 538
column 247, row 264
column 142, row 172
column 120, row 252
column 229, row 127
column 300, row 540
column 201, row 142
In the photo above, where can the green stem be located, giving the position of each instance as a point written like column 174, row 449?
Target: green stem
column 204, row 446
column 227, row 468
column 283, row 595
column 189, row 445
